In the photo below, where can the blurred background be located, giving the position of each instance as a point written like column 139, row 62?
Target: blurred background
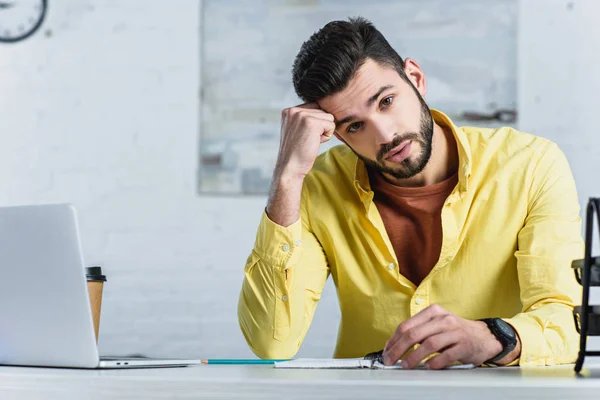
column 159, row 121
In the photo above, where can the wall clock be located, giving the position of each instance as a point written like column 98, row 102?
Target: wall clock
column 19, row 19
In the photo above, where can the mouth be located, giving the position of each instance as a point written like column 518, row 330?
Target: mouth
column 400, row 152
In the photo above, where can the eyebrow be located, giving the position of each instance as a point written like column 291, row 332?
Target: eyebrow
column 370, row 102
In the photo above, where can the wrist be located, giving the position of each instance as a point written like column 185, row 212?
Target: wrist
column 512, row 356
column 503, row 334
column 492, row 346
column 288, row 177
column 283, row 206
column 288, row 180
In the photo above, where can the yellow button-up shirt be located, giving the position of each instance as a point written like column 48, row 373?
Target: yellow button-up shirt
column 511, row 228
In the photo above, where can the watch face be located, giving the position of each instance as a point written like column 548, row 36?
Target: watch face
column 505, row 328
column 20, row 18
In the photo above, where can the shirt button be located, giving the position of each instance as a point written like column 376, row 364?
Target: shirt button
column 391, row 266
column 284, row 298
column 419, row 300
column 298, row 242
column 286, row 247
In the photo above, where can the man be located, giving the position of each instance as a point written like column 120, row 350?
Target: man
column 446, row 244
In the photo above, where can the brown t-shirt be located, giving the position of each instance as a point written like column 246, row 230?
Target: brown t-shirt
column 413, row 220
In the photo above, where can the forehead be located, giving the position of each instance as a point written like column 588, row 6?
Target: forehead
column 370, row 77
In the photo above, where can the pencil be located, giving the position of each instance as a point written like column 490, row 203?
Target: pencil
column 239, row 361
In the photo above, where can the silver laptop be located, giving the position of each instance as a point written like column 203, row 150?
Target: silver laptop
column 45, row 314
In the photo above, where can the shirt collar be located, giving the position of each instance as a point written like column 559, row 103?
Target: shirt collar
column 361, row 176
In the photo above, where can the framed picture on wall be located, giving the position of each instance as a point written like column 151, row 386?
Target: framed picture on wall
column 467, row 49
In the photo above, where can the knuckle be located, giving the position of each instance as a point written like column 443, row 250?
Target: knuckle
column 402, row 329
column 431, row 344
column 411, row 335
column 289, row 112
column 449, row 319
column 432, row 308
column 436, row 308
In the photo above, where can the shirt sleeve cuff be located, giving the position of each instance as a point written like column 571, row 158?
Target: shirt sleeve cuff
column 534, row 351
column 531, row 341
column 276, row 244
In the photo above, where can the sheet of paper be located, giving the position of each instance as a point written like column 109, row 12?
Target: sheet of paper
column 378, row 365
column 348, row 363
column 325, row 363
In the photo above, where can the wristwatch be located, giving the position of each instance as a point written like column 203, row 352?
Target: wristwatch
column 505, row 334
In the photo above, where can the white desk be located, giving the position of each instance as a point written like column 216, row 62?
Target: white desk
column 265, row 382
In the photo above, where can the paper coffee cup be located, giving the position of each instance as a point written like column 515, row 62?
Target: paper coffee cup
column 95, row 283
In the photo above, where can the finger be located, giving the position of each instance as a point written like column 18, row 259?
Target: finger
column 449, row 356
column 303, row 108
column 410, row 338
column 431, row 345
column 416, row 320
column 325, row 128
column 328, row 131
column 309, row 106
column 296, row 113
column 319, row 114
column 309, row 110
column 328, row 134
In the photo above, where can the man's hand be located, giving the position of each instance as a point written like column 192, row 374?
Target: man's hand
column 437, row 330
column 303, row 129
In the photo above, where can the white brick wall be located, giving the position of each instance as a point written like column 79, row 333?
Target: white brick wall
column 558, row 87
column 104, row 113
column 100, row 109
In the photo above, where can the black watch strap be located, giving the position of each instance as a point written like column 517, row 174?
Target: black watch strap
column 505, row 334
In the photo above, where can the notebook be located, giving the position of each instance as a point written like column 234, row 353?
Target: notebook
column 370, row 361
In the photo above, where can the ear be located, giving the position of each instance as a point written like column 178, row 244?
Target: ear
column 416, row 75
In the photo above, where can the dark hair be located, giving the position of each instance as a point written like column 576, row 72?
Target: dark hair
column 330, row 58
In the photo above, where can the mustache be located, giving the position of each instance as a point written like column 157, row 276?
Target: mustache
column 386, row 148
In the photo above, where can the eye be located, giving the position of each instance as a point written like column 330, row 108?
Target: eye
column 387, row 102
column 353, row 128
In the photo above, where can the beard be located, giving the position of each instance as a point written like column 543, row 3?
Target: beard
column 412, row 165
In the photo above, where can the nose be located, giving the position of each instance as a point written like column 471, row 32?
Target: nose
column 385, row 129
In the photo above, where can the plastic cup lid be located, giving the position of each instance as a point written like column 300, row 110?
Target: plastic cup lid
column 94, row 274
